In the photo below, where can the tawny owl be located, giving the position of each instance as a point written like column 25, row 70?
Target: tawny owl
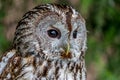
column 49, row 44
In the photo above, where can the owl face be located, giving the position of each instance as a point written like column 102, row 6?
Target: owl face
column 58, row 32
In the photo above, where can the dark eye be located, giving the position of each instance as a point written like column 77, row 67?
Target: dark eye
column 53, row 33
column 75, row 34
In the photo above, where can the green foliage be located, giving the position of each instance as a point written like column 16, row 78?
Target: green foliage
column 4, row 43
column 44, row 1
column 103, row 37
column 107, row 75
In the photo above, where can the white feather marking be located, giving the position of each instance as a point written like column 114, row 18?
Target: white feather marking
column 62, row 74
column 5, row 60
column 29, row 74
column 43, row 78
column 83, row 74
column 70, row 76
column 78, row 75
column 9, row 76
column 75, row 14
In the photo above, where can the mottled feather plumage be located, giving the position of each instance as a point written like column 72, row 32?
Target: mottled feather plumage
column 38, row 56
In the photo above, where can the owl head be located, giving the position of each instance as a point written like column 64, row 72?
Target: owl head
column 51, row 31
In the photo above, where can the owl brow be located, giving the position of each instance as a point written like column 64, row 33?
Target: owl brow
column 53, row 27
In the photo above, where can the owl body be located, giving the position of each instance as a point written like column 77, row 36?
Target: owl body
column 49, row 44
column 14, row 67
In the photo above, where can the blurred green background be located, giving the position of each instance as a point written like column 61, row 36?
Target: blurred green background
column 102, row 22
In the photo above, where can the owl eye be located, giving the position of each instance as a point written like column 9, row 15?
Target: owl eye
column 75, row 34
column 53, row 33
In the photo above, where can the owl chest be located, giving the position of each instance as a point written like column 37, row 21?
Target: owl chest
column 54, row 71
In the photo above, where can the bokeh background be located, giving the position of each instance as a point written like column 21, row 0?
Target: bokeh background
column 102, row 22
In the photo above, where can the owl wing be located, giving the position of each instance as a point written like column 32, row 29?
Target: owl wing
column 13, row 66
column 6, row 66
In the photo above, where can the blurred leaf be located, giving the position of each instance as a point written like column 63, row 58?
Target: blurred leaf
column 109, row 36
column 85, row 6
column 44, row 1
column 4, row 43
column 107, row 75
column 2, row 14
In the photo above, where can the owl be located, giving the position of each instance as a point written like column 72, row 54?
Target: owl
column 49, row 44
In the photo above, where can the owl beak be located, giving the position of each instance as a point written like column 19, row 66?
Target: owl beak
column 67, row 53
column 67, row 49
